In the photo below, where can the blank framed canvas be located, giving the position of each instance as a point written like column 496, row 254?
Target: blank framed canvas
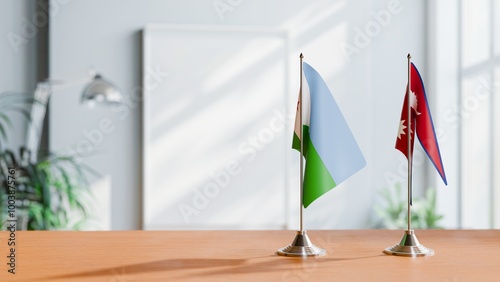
column 215, row 128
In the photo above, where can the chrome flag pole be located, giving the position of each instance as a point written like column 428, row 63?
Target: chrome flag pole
column 301, row 245
column 409, row 245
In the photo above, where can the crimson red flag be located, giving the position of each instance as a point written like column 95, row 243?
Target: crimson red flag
column 421, row 119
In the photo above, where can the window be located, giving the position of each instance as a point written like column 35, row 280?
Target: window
column 464, row 52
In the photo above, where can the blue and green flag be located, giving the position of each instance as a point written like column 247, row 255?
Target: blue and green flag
column 330, row 150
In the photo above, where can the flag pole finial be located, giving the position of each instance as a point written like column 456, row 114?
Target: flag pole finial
column 301, row 56
column 409, row 56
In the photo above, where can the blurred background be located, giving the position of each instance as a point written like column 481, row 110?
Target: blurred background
column 200, row 136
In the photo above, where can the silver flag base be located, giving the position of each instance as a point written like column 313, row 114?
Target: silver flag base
column 409, row 247
column 301, row 247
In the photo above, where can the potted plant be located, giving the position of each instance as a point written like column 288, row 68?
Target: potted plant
column 50, row 193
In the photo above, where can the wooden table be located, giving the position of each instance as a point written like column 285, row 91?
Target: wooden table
column 356, row 255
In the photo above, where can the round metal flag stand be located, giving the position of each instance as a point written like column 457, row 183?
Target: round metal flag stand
column 409, row 247
column 301, row 247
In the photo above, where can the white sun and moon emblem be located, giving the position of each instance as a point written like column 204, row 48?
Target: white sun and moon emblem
column 413, row 104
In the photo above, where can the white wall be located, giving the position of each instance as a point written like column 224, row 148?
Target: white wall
column 369, row 87
column 17, row 58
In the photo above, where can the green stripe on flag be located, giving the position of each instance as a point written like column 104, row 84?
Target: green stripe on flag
column 296, row 142
column 317, row 179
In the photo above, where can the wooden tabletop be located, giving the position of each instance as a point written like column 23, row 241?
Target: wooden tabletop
column 354, row 255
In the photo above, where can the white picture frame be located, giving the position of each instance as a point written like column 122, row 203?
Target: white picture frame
column 215, row 127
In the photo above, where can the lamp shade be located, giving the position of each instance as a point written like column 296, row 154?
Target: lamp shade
column 101, row 90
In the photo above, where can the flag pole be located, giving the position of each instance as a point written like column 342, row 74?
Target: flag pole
column 409, row 151
column 301, row 200
column 409, row 246
column 301, row 245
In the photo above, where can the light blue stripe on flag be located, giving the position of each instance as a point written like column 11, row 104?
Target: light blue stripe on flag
column 329, row 132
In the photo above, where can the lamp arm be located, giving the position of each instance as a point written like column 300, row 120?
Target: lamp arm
column 35, row 126
column 68, row 82
column 38, row 111
column 98, row 87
